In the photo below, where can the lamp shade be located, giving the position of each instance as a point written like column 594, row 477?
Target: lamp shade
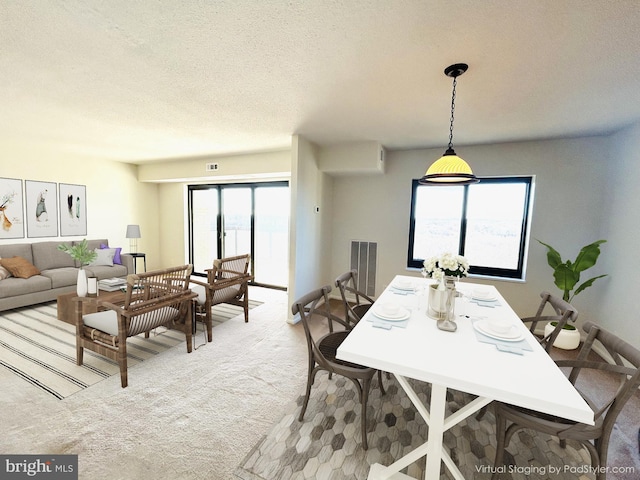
column 133, row 231
column 449, row 169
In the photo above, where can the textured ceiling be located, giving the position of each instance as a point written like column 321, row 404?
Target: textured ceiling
column 156, row 79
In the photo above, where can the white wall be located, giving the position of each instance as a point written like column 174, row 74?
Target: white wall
column 114, row 196
column 310, row 246
column 569, row 209
column 618, row 309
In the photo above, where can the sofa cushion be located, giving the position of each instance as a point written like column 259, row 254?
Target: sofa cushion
column 4, row 273
column 19, row 267
column 116, row 257
column 47, row 256
column 16, row 250
column 104, row 256
column 61, row 277
column 12, row 286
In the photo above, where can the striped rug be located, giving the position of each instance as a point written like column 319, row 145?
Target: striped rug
column 41, row 349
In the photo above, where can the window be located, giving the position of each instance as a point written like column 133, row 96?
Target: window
column 234, row 219
column 486, row 222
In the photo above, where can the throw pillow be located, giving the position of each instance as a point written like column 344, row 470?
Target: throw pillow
column 105, row 257
column 116, row 257
column 19, row 267
column 4, row 273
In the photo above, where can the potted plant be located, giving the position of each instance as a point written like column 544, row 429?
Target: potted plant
column 84, row 256
column 566, row 276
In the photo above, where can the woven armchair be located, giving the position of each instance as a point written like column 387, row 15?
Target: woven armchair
column 152, row 299
column 227, row 282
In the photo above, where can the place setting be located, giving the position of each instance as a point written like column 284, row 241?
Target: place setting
column 484, row 297
column 502, row 333
column 388, row 314
column 403, row 286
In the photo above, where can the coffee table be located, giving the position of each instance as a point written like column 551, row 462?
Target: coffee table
column 66, row 305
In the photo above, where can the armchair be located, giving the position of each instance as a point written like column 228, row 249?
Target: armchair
column 227, row 282
column 152, row 299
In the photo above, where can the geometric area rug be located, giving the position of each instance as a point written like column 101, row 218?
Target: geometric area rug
column 41, row 349
column 327, row 443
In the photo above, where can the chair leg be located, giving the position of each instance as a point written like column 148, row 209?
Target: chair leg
column 79, row 352
column 380, row 382
column 310, row 377
column 501, row 425
column 122, row 362
column 366, row 384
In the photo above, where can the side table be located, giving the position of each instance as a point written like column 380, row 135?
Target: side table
column 136, row 256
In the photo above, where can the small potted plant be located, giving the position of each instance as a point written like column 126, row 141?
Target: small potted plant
column 81, row 253
column 566, row 276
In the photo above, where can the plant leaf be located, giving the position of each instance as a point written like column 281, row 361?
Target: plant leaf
column 565, row 277
column 587, row 284
column 553, row 257
column 587, row 257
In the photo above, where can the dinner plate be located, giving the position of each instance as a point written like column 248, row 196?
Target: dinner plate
column 403, row 286
column 488, row 297
column 483, row 327
column 403, row 314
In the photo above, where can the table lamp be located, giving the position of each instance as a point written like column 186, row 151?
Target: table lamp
column 133, row 234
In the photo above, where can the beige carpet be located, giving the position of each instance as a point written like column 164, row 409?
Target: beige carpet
column 41, row 349
column 183, row 416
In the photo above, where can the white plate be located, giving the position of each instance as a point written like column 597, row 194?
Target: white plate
column 403, row 286
column 483, row 327
column 403, row 314
column 489, row 297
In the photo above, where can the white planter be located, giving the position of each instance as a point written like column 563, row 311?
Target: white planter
column 566, row 339
column 81, row 285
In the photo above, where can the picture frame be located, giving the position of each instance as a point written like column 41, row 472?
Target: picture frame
column 42, row 209
column 11, row 208
column 73, row 209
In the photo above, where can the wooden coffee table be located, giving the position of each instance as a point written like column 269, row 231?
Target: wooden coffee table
column 66, row 305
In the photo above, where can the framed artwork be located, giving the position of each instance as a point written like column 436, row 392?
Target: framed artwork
column 73, row 209
column 11, row 208
column 42, row 209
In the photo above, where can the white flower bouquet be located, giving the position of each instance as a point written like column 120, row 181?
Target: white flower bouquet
column 446, row 265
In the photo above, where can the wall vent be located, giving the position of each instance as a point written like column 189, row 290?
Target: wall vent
column 211, row 167
column 364, row 257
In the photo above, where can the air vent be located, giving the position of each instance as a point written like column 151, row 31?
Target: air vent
column 212, row 167
column 364, row 256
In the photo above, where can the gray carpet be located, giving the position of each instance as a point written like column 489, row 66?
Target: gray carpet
column 327, row 444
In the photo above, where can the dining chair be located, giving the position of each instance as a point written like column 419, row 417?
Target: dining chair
column 314, row 307
column 564, row 313
column 356, row 303
column 606, row 407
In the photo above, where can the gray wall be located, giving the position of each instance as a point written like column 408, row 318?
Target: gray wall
column 571, row 209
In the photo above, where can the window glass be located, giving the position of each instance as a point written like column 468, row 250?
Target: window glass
column 486, row 222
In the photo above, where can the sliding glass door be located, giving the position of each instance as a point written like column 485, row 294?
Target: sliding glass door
column 229, row 220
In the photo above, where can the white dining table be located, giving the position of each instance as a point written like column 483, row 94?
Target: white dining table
column 456, row 360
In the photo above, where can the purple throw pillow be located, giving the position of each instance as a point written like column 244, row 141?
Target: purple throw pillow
column 116, row 257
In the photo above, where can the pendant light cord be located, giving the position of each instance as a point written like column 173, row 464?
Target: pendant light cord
column 453, row 106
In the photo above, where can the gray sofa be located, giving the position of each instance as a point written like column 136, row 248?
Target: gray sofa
column 58, row 272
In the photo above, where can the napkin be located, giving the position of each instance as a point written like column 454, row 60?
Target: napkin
column 386, row 324
column 486, row 303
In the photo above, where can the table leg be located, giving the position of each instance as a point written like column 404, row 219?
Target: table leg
column 438, row 423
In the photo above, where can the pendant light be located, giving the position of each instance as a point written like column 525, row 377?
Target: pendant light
column 450, row 169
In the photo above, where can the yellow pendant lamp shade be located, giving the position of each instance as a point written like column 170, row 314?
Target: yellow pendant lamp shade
column 450, row 169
